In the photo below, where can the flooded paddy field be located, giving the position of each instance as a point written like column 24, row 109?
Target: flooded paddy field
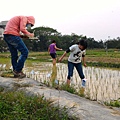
column 102, row 84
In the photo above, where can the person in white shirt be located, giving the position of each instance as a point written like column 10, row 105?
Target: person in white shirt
column 76, row 57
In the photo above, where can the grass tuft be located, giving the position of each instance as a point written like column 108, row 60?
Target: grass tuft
column 18, row 106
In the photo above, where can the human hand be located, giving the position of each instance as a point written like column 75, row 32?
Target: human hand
column 85, row 65
column 60, row 59
column 31, row 35
column 24, row 36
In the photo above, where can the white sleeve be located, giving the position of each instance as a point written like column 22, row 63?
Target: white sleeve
column 72, row 48
column 84, row 52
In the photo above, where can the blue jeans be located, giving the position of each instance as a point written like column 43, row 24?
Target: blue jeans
column 78, row 67
column 16, row 44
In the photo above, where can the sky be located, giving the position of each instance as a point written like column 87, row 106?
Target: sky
column 98, row 19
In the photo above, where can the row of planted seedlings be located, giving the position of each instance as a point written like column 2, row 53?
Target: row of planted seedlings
column 102, row 84
column 40, row 72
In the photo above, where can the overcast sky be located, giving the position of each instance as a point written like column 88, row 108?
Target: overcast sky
column 98, row 19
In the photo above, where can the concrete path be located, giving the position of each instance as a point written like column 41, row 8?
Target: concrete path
column 82, row 108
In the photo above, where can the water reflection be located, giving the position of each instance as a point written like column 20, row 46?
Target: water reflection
column 102, row 84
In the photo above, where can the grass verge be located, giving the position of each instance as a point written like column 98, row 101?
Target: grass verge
column 18, row 106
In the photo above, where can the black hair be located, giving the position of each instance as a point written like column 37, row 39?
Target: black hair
column 53, row 41
column 83, row 42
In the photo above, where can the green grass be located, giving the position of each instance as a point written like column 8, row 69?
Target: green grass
column 96, row 57
column 115, row 103
column 68, row 88
column 102, row 53
column 18, row 106
column 101, row 64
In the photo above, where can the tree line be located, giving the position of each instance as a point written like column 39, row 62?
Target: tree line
column 45, row 36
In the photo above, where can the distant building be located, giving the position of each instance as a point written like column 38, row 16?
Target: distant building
column 2, row 27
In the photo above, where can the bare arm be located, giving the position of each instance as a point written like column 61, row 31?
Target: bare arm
column 64, row 54
column 48, row 50
column 57, row 48
column 84, row 62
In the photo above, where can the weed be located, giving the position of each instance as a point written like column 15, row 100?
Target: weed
column 115, row 103
column 68, row 88
column 16, row 105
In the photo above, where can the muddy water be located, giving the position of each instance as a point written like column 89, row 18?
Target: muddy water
column 102, row 84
